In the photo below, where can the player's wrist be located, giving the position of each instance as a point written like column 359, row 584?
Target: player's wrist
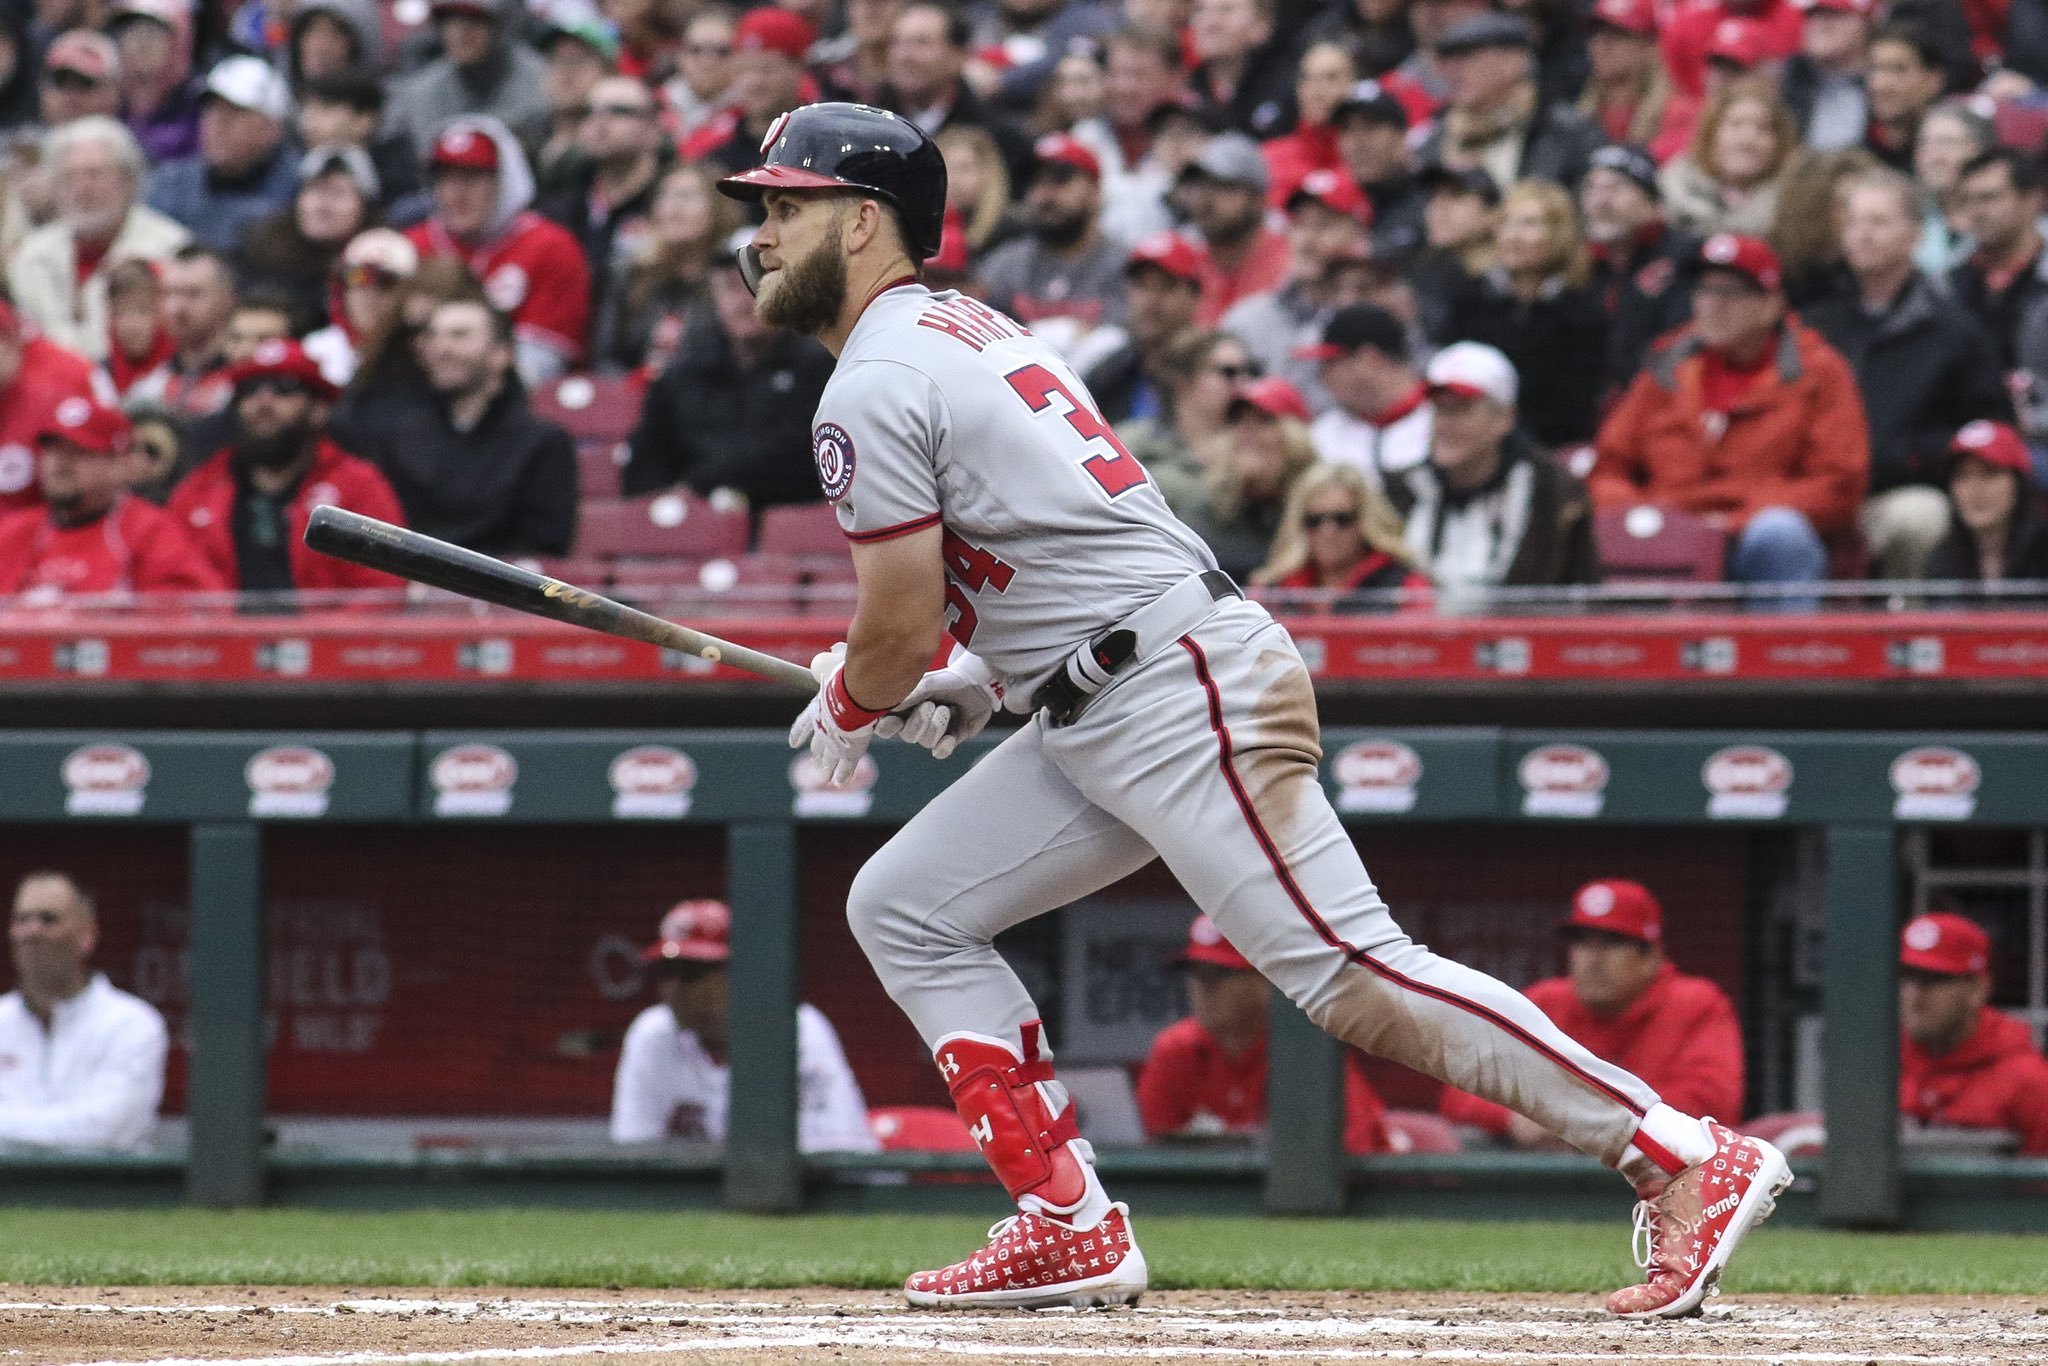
column 846, row 713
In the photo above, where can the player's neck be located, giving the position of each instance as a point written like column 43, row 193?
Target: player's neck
column 861, row 290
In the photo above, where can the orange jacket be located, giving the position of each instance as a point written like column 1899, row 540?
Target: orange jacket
column 1680, row 1036
column 1992, row 1080
column 1797, row 439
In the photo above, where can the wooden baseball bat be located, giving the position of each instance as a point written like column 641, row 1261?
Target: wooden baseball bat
column 424, row 559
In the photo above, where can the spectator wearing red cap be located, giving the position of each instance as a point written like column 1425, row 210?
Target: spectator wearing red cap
column 1062, row 278
column 486, row 70
column 929, row 50
column 1993, row 532
column 1639, row 259
column 1162, row 289
column 1489, row 509
column 246, row 508
column 1748, row 419
column 1205, row 1076
column 1689, row 33
column 93, row 536
column 1629, row 1005
column 1823, row 81
column 532, row 270
column 1925, row 368
column 1627, row 91
column 1323, row 80
column 35, row 375
column 81, row 77
column 58, row 276
column 245, row 170
column 1328, row 219
column 673, row 1081
column 769, row 45
column 1962, row 1064
column 1245, row 493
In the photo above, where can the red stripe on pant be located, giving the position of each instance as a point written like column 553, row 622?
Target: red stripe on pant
column 1329, row 936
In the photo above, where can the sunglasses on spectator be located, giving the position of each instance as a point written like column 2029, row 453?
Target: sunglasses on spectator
column 1316, row 521
column 1235, row 373
column 64, row 78
column 367, row 277
column 280, row 386
column 707, row 49
column 622, row 111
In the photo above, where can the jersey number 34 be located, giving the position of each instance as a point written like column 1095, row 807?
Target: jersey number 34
column 1116, row 469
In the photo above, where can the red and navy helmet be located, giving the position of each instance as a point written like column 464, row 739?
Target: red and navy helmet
column 854, row 146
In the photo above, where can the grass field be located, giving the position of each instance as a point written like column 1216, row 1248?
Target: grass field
column 719, row 1251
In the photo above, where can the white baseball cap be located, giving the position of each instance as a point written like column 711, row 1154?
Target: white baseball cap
column 251, row 83
column 1475, row 370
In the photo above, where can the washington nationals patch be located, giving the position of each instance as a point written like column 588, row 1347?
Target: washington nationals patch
column 832, row 448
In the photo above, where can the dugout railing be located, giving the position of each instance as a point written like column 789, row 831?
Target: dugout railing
column 228, row 790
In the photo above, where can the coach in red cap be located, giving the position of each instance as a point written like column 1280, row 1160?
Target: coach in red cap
column 247, row 507
column 672, row 1079
column 92, row 535
column 35, row 375
column 1627, row 1002
column 1206, row 1075
column 1749, row 419
column 532, row 270
column 1961, row 1063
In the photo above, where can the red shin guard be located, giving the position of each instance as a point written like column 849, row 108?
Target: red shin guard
column 997, row 1095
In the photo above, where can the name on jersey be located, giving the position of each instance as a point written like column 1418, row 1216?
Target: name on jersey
column 964, row 320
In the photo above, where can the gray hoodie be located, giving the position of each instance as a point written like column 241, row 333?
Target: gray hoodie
column 506, row 86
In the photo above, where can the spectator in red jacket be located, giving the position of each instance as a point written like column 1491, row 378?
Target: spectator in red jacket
column 1628, row 1003
column 35, row 373
column 532, row 269
column 246, row 508
column 92, row 535
column 1206, row 1075
column 1961, row 1063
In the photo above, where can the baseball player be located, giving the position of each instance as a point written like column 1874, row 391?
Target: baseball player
column 1171, row 718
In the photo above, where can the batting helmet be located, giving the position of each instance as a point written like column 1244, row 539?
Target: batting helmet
column 857, row 147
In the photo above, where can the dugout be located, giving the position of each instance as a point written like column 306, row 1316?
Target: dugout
column 401, row 929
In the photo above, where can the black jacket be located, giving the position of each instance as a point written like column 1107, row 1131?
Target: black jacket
column 1557, row 145
column 598, row 237
column 2026, row 549
column 1924, row 367
column 2003, row 313
column 1530, row 494
column 1550, row 340
column 709, row 424
column 505, row 487
column 1647, row 292
column 1262, row 103
column 1397, row 205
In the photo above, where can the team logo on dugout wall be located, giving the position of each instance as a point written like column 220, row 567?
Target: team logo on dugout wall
column 1747, row 782
column 652, row 782
column 1563, row 780
column 1935, row 783
column 289, row 780
column 473, row 780
column 105, row 780
column 815, row 798
column 1377, row 775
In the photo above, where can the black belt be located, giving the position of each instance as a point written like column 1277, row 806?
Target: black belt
column 1066, row 691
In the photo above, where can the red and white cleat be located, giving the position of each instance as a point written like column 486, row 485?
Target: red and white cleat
column 1032, row 1262
column 1686, row 1232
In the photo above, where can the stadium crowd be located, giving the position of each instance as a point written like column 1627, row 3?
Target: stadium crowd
column 1429, row 295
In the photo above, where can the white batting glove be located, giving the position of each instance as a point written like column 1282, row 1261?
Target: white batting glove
column 835, row 726
column 946, row 707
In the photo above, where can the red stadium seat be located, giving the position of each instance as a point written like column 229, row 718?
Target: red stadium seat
column 1419, row 1131
column 801, row 529
column 597, row 468
column 1657, row 544
column 667, row 525
column 593, row 407
column 919, row 1129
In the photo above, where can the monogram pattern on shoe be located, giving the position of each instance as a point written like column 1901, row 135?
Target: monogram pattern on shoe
column 1031, row 1252
column 1680, row 1231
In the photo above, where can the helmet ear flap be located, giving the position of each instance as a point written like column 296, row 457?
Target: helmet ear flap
column 751, row 272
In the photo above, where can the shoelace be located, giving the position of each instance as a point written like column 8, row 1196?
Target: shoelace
column 1642, row 1243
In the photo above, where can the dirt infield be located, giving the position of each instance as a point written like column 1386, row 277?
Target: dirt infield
column 318, row 1326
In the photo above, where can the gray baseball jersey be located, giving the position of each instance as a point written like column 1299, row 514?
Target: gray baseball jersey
column 943, row 412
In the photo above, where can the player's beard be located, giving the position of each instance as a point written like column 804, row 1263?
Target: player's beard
column 807, row 296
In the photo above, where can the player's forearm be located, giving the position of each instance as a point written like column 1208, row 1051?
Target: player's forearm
column 885, row 658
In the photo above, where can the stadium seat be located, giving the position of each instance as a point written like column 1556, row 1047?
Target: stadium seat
column 597, row 468
column 1657, row 544
column 593, row 407
column 919, row 1129
column 743, row 585
column 584, row 571
column 801, row 529
column 667, row 525
column 1419, row 1131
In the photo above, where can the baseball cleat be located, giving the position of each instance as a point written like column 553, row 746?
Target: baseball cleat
column 1686, row 1232
column 1032, row 1262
